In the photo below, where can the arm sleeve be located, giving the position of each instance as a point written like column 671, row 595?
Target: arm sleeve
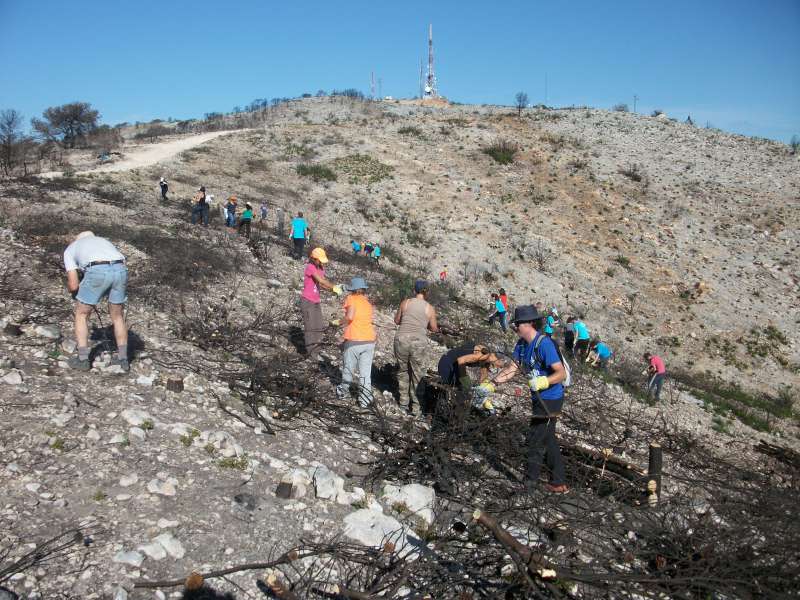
column 549, row 353
column 69, row 259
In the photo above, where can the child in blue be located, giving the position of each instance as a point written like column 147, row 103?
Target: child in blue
column 536, row 356
column 602, row 354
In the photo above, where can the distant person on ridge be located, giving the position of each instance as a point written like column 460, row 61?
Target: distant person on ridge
column 164, row 188
column 264, row 209
column 355, row 246
column 582, row 338
column 230, row 212
column 200, row 207
column 658, row 372
column 245, row 220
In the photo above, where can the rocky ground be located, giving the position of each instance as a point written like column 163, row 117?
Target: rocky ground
column 696, row 259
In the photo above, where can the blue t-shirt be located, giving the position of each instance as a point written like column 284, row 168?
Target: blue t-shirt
column 548, row 328
column 498, row 305
column 602, row 350
column 581, row 332
column 356, row 246
column 539, row 363
column 376, row 251
column 299, row 227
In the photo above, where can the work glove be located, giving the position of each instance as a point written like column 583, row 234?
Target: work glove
column 487, row 386
column 537, row 384
column 335, row 322
column 487, row 405
column 338, row 290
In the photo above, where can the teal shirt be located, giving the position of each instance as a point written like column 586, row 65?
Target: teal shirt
column 581, row 332
column 299, row 227
column 247, row 215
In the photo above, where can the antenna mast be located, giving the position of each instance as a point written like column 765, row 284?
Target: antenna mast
column 430, row 84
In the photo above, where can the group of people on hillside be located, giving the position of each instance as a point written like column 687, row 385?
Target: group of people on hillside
column 370, row 249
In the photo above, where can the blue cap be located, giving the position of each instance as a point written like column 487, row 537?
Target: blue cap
column 420, row 285
column 356, row 283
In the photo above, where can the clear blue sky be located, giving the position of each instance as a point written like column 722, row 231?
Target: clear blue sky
column 733, row 63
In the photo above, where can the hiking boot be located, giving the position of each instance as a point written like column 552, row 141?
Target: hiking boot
column 561, row 488
column 123, row 363
column 79, row 364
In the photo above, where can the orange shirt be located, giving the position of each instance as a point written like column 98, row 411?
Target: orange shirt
column 360, row 329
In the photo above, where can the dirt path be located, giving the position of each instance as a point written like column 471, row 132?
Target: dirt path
column 144, row 155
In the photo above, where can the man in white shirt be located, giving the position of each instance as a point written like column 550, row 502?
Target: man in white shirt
column 104, row 275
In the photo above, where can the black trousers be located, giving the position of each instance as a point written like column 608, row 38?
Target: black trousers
column 299, row 244
column 542, row 444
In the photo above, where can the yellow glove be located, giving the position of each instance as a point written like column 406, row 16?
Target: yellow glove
column 335, row 322
column 537, row 384
column 487, row 404
column 488, row 386
column 338, row 290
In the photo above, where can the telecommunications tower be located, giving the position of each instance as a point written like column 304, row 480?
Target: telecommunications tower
column 430, row 82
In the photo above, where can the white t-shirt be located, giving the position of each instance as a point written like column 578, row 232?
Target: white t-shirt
column 88, row 250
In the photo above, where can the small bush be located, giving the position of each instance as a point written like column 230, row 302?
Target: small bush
column 794, row 144
column 623, row 261
column 502, row 151
column 632, row 172
column 237, row 463
column 316, row 172
column 412, row 131
column 656, row 112
column 621, row 107
column 362, row 168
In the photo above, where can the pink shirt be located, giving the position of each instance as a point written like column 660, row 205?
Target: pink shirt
column 310, row 287
column 658, row 365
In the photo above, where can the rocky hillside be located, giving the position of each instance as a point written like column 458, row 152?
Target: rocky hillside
column 224, row 446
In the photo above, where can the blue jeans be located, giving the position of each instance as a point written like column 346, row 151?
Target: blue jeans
column 230, row 221
column 200, row 211
column 104, row 280
column 357, row 357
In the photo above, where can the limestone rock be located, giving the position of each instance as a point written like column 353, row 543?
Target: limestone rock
column 131, row 557
column 51, row 332
column 371, row 528
column 419, row 500
column 136, row 417
column 327, row 484
column 13, row 377
column 162, row 488
column 171, row 544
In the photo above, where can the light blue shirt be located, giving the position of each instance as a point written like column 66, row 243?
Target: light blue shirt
column 299, row 227
column 602, row 350
column 581, row 331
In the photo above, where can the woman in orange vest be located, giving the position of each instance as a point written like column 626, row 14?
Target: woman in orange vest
column 359, row 342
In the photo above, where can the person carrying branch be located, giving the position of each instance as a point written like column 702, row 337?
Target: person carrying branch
column 536, row 356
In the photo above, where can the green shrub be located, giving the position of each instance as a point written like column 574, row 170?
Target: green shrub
column 361, row 168
column 623, row 261
column 502, row 151
column 316, row 172
column 412, row 131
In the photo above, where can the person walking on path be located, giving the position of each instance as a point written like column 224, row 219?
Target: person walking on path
column 443, row 275
column 164, row 188
column 569, row 336
column 299, row 233
column 657, row 372
column 536, row 356
column 582, row 338
column 310, row 300
column 355, row 246
column 104, row 275
column 280, row 222
column 264, row 210
column 245, row 220
column 414, row 317
column 376, row 254
column 359, row 342
column 200, row 207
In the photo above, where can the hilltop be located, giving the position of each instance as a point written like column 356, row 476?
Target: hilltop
column 665, row 236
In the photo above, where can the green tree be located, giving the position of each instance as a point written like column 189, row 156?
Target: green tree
column 68, row 123
column 522, row 101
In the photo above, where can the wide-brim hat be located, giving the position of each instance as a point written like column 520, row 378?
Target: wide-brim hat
column 357, row 283
column 527, row 312
column 419, row 285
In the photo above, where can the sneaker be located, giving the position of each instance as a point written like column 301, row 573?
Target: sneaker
column 123, row 363
column 561, row 488
column 78, row 364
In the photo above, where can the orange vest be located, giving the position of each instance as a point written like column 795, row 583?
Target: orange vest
column 360, row 329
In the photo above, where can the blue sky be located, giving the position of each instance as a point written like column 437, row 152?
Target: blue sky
column 735, row 64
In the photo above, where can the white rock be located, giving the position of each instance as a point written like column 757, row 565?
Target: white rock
column 137, row 433
column 181, row 429
column 136, row 417
column 51, row 332
column 159, row 595
column 120, row 594
column 122, row 497
column 154, row 550
column 68, row 345
column 128, row 480
column 93, row 435
column 132, row 558
column 118, row 439
column 163, row 488
column 13, row 377
column 33, row 487
column 166, row 523
column 327, row 484
column 418, row 499
column 61, row 419
column 371, row 528
column 171, row 544
column 146, row 380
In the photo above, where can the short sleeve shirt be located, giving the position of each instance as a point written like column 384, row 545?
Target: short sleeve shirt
column 603, row 351
column 548, row 328
column 658, row 365
column 539, row 362
column 360, row 329
column 299, row 227
column 310, row 287
column 88, row 250
column 581, row 330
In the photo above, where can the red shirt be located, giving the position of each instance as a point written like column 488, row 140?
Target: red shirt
column 658, row 365
column 504, row 300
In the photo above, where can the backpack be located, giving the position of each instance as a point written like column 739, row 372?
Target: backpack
column 567, row 369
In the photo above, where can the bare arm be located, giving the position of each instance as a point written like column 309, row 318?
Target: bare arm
column 558, row 375
column 350, row 313
column 398, row 316
column 507, row 373
column 432, row 324
column 322, row 282
column 72, row 281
